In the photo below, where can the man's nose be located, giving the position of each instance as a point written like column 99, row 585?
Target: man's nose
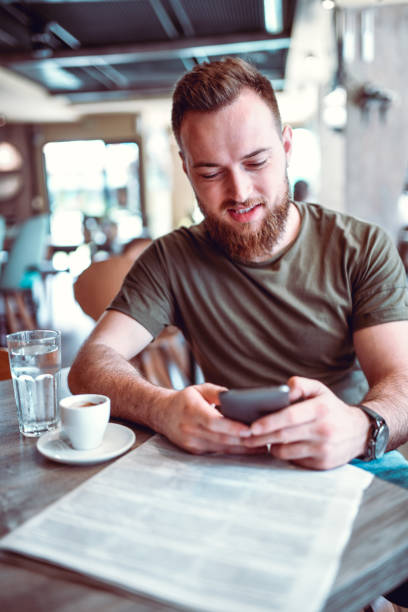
column 239, row 186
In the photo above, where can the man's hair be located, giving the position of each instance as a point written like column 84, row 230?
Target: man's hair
column 212, row 85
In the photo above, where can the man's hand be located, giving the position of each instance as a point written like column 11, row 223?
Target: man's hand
column 320, row 431
column 189, row 419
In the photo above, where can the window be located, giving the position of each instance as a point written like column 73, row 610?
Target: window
column 94, row 193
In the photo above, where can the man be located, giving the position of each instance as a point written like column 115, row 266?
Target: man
column 264, row 290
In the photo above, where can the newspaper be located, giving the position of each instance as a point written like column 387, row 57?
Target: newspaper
column 214, row 533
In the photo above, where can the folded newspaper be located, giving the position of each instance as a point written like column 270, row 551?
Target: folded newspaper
column 213, row 532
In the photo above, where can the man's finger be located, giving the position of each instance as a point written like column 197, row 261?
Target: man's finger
column 210, row 419
column 303, row 388
column 297, row 450
column 210, row 435
column 292, row 416
column 210, row 392
column 285, row 436
column 198, row 445
column 228, row 427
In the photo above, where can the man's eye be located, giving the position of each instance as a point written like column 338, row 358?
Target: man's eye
column 256, row 164
column 210, row 176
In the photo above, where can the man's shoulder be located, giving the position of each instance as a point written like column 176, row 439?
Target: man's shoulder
column 183, row 237
column 180, row 245
column 323, row 213
column 327, row 219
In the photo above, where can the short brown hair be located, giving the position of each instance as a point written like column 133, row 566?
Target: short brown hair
column 212, row 85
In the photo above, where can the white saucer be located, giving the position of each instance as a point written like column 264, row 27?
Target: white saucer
column 56, row 446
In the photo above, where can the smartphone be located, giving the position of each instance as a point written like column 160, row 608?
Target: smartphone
column 248, row 405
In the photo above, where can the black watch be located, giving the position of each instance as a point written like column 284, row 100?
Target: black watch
column 378, row 436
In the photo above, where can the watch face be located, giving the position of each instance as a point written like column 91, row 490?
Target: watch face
column 381, row 441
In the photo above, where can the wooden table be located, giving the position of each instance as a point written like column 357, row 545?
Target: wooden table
column 374, row 561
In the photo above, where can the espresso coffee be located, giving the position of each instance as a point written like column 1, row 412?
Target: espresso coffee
column 84, row 404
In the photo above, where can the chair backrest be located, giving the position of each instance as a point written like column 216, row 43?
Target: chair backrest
column 96, row 286
column 2, row 231
column 4, row 364
column 27, row 251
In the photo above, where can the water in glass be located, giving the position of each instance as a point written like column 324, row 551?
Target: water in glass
column 35, row 370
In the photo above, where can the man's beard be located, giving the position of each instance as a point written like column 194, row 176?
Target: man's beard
column 246, row 244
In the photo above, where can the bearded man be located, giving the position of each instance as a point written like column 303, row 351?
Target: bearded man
column 265, row 290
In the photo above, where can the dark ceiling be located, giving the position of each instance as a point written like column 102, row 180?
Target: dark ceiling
column 112, row 49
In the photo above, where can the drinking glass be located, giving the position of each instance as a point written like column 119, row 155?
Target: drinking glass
column 35, row 363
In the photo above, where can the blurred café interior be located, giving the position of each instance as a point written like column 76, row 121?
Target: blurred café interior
column 89, row 169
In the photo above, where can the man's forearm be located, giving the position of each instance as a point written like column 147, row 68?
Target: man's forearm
column 100, row 369
column 389, row 397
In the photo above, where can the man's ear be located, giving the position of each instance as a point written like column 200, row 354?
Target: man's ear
column 183, row 160
column 287, row 135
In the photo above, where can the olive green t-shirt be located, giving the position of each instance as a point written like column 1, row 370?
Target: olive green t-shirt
column 256, row 324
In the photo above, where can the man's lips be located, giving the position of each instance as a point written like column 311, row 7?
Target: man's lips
column 245, row 214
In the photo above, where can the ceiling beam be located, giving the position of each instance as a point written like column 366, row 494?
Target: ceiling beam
column 164, row 87
column 273, row 18
column 172, row 49
column 182, row 17
column 164, row 18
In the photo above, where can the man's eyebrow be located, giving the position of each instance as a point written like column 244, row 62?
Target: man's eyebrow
column 204, row 164
column 257, row 152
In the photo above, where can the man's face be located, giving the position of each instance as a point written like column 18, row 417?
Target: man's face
column 236, row 162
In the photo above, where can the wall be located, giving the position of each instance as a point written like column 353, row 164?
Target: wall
column 21, row 206
column 377, row 149
column 333, row 168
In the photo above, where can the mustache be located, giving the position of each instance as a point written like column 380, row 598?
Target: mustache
column 249, row 203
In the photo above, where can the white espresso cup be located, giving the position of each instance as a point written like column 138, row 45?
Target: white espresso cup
column 84, row 419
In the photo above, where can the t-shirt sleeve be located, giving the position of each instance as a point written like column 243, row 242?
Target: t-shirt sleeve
column 379, row 283
column 145, row 293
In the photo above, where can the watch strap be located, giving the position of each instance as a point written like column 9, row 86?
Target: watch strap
column 378, row 423
column 371, row 413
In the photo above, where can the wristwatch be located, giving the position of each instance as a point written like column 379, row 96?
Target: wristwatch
column 378, row 436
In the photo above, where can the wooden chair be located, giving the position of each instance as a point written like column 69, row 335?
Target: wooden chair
column 167, row 361
column 4, row 364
